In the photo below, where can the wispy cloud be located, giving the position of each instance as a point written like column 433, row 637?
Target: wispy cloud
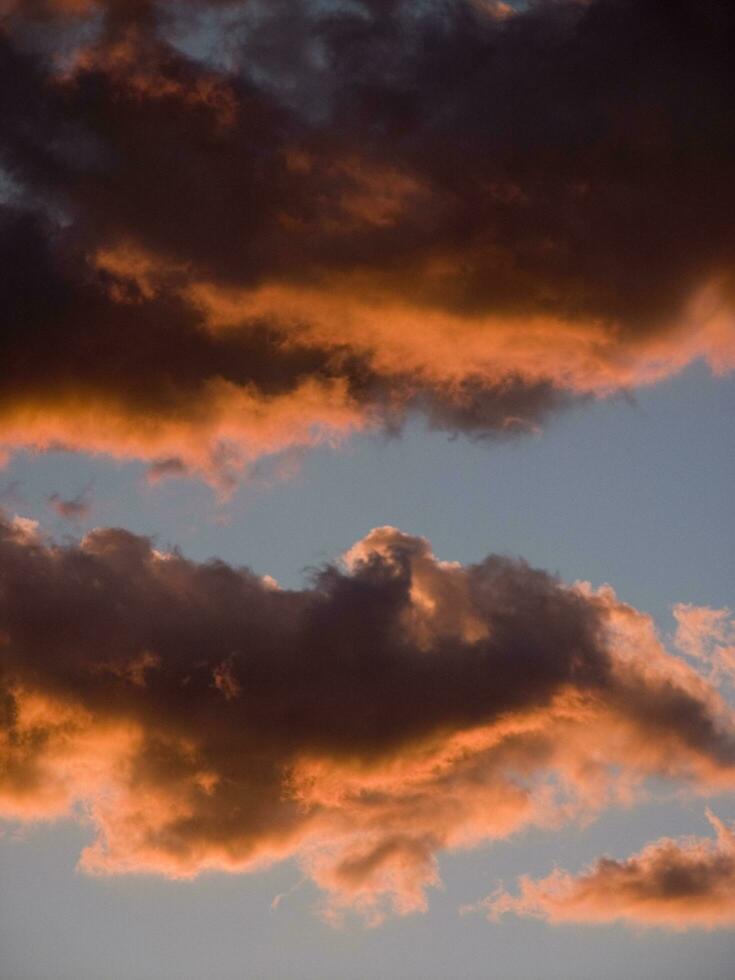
column 76, row 508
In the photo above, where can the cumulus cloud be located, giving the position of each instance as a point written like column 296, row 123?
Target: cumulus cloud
column 671, row 884
column 197, row 716
column 339, row 213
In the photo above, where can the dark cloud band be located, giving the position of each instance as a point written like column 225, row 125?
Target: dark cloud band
column 354, row 211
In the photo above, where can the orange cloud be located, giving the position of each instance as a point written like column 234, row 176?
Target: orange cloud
column 199, row 717
column 707, row 635
column 670, row 884
column 218, row 436
column 399, row 326
column 208, row 262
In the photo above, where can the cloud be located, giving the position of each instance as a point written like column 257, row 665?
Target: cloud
column 671, row 884
column 707, row 635
column 197, row 716
column 83, row 372
column 76, row 508
column 334, row 215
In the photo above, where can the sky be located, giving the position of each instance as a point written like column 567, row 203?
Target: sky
column 366, row 539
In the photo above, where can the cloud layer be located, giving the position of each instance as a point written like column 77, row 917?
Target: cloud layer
column 198, row 717
column 231, row 228
column 671, row 884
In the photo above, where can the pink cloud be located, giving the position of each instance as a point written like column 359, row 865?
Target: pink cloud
column 671, row 884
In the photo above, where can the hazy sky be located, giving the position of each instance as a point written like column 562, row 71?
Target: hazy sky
column 310, row 309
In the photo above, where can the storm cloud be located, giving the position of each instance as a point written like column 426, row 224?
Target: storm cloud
column 234, row 228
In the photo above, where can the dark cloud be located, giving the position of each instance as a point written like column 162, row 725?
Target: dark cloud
column 397, row 706
column 444, row 207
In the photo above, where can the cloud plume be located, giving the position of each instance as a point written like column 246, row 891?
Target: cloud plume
column 233, row 228
column 197, row 716
column 671, row 884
